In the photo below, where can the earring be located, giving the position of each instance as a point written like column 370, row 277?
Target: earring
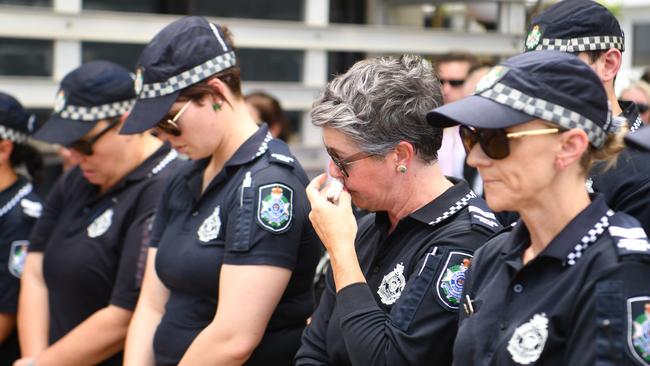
column 401, row 168
column 216, row 106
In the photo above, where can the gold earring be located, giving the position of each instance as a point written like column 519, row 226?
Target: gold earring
column 401, row 168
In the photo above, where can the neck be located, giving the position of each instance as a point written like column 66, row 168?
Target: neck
column 142, row 147
column 7, row 176
column 613, row 101
column 422, row 184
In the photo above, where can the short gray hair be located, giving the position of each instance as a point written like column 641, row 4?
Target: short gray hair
column 382, row 101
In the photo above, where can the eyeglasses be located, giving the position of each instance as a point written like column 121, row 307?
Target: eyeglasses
column 169, row 126
column 342, row 164
column 85, row 147
column 641, row 107
column 494, row 141
column 453, row 82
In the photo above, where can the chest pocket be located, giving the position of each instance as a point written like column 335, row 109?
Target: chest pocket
column 245, row 214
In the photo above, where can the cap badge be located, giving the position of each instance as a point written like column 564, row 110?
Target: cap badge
column 138, row 83
column 492, row 77
column 59, row 102
column 534, row 36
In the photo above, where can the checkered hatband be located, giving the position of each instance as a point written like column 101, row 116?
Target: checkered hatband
column 96, row 113
column 10, row 134
column 545, row 110
column 582, row 44
column 189, row 77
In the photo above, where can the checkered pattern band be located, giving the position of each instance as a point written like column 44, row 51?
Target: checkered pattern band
column 189, row 77
column 636, row 125
column 459, row 205
column 582, row 44
column 543, row 109
column 10, row 134
column 589, row 238
column 96, row 113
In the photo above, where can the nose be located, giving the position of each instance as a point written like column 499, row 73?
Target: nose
column 75, row 156
column 334, row 171
column 476, row 157
column 164, row 137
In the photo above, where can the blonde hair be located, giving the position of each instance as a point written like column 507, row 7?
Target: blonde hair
column 606, row 155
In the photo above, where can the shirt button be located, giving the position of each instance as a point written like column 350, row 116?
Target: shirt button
column 503, row 325
column 375, row 270
column 518, row 288
column 195, row 213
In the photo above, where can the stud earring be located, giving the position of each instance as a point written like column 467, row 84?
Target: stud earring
column 401, row 168
column 216, row 106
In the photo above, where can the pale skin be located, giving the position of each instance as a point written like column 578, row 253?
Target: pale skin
column 7, row 178
column 103, row 333
column 547, row 197
column 248, row 294
column 607, row 66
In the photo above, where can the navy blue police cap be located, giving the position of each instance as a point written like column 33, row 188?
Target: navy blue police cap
column 185, row 52
column 94, row 91
column 640, row 139
column 16, row 124
column 554, row 86
column 575, row 26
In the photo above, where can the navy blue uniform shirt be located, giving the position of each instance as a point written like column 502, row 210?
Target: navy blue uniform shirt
column 93, row 244
column 19, row 209
column 406, row 313
column 584, row 300
column 254, row 212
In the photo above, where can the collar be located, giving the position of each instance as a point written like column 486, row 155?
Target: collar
column 631, row 114
column 10, row 197
column 446, row 205
column 154, row 164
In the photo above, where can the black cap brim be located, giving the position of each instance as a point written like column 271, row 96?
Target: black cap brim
column 146, row 113
column 57, row 130
column 639, row 139
column 476, row 111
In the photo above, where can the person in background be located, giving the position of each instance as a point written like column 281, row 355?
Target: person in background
column 639, row 94
column 19, row 209
column 87, row 250
column 265, row 108
column 232, row 257
column 563, row 285
column 394, row 284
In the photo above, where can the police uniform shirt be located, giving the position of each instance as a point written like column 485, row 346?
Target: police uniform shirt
column 584, row 300
column 406, row 313
column 19, row 209
column 93, row 244
column 254, row 212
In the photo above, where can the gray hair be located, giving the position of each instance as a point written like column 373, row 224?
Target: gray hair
column 380, row 102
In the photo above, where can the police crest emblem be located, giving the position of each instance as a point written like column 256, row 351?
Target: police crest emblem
column 638, row 323
column 492, row 77
column 528, row 340
column 449, row 286
column 392, row 285
column 209, row 229
column 17, row 257
column 100, row 224
column 138, row 83
column 533, row 38
column 275, row 207
column 59, row 101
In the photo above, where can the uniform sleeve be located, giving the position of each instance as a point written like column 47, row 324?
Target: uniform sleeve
column 49, row 218
column 266, row 223
column 134, row 250
column 423, row 321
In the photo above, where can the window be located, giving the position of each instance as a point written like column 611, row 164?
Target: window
column 271, row 65
column 257, row 9
column 641, row 48
column 339, row 62
column 44, row 3
column 122, row 54
column 25, row 57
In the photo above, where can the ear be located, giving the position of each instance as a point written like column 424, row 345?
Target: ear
column 404, row 153
column 221, row 89
column 6, row 147
column 573, row 144
column 611, row 64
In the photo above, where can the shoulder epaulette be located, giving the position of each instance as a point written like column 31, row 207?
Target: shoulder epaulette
column 628, row 236
column 279, row 153
column 480, row 214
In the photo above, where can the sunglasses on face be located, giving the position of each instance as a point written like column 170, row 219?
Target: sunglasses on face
column 342, row 164
column 494, row 141
column 453, row 82
column 170, row 125
column 641, row 107
column 85, row 147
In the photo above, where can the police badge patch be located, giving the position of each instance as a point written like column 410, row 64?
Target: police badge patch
column 492, row 77
column 59, row 102
column 392, row 285
column 275, row 207
column 534, row 36
column 449, row 287
column 138, row 83
column 101, row 224
column 209, row 229
column 17, row 257
column 638, row 324
column 528, row 340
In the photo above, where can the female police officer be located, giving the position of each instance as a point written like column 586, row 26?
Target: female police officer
column 568, row 284
column 392, row 296
column 83, row 270
column 230, row 280
column 19, row 208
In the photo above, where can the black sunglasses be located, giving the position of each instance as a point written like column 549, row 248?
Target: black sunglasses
column 85, row 147
column 494, row 141
column 453, row 82
column 342, row 164
column 170, row 125
column 641, row 107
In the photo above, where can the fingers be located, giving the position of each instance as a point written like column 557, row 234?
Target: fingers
column 313, row 188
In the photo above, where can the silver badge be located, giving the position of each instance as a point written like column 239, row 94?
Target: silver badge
column 17, row 257
column 392, row 285
column 59, row 102
column 138, row 83
column 209, row 229
column 101, row 224
column 528, row 340
column 492, row 77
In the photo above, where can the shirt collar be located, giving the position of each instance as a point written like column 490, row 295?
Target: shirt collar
column 446, row 205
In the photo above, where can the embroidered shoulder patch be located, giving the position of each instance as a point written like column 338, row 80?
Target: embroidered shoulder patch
column 209, row 229
column 17, row 257
column 392, row 285
column 275, row 207
column 449, row 287
column 101, row 224
column 528, row 340
column 638, row 328
column 533, row 38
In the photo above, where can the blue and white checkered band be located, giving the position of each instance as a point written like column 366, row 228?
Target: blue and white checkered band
column 582, row 44
column 543, row 109
column 96, row 113
column 459, row 205
column 637, row 123
column 189, row 77
column 10, row 134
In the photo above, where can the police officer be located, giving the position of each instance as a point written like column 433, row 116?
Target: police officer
column 19, row 209
column 639, row 140
column 86, row 257
column 229, row 279
column 394, row 285
column 590, row 31
column 566, row 285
